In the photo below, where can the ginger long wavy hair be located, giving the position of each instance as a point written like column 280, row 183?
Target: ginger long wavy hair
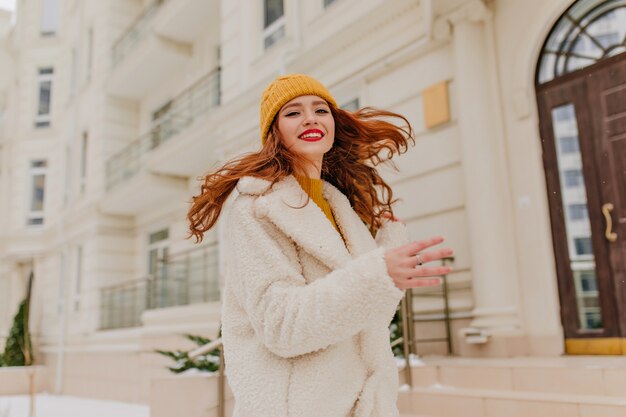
column 363, row 140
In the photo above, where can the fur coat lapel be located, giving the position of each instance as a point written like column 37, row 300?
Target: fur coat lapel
column 285, row 204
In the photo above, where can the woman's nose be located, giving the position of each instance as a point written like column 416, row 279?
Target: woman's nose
column 310, row 117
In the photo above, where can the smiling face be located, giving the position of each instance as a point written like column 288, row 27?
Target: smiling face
column 307, row 127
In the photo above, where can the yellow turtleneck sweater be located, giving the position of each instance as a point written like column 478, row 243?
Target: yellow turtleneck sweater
column 313, row 187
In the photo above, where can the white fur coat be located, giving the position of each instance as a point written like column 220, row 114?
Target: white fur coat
column 305, row 317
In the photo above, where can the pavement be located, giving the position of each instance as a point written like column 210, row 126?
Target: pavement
column 47, row 405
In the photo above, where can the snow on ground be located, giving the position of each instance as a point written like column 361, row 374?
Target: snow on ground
column 47, row 405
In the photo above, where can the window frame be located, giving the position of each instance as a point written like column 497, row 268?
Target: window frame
column 83, row 162
column 89, row 57
column 44, row 75
column 280, row 24
column 77, row 276
column 54, row 22
column 62, row 282
column 573, row 30
column 67, row 184
column 74, row 71
column 160, row 246
column 33, row 172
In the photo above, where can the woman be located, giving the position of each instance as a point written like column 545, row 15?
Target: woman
column 309, row 292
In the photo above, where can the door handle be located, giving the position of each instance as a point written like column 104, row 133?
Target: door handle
column 611, row 236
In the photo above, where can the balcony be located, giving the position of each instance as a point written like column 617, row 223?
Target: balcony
column 183, row 279
column 184, row 20
column 132, row 180
column 198, row 110
column 146, row 189
column 141, row 58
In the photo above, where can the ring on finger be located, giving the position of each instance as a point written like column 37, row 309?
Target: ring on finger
column 419, row 260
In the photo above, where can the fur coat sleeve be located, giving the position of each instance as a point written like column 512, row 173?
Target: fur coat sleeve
column 392, row 234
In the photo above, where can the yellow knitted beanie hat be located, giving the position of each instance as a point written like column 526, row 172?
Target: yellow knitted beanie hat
column 286, row 88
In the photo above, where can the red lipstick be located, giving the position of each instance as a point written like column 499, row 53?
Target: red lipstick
column 311, row 135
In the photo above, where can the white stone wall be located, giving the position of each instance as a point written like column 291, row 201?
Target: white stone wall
column 6, row 76
column 538, row 282
column 378, row 51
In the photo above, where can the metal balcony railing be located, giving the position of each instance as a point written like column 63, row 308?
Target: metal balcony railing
column 221, row 382
column 408, row 339
column 186, row 278
column 183, row 110
column 135, row 32
column 121, row 305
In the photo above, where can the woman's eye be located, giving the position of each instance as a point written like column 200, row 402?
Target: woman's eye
column 322, row 110
column 293, row 113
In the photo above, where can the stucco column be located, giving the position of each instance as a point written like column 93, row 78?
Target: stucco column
column 488, row 203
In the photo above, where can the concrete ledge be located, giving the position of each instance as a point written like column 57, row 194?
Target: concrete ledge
column 450, row 402
column 521, row 396
column 14, row 380
column 600, row 376
column 189, row 395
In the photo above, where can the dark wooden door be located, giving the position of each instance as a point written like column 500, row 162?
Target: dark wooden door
column 607, row 103
column 583, row 132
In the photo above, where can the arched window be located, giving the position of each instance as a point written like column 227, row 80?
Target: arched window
column 589, row 31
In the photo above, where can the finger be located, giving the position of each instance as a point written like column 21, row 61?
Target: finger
column 425, row 282
column 414, row 247
column 432, row 256
column 431, row 271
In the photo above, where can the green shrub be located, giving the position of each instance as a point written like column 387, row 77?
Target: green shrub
column 18, row 350
column 395, row 332
column 209, row 362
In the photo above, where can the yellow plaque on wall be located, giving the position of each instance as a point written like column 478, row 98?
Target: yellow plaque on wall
column 598, row 346
column 436, row 104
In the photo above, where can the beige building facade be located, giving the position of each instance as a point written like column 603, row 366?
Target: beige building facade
column 112, row 110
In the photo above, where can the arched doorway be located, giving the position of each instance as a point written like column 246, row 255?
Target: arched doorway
column 581, row 96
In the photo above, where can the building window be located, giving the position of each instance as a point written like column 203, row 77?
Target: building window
column 564, row 114
column 352, row 105
column 49, row 17
column 273, row 22
column 158, row 243
column 609, row 39
column 61, row 288
column 45, row 76
column 583, row 246
column 68, row 175
column 578, row 212
column 162, row 124
column 588, row 282
column 38, row 169
column 158, row 250
column 569, row 144
column 588, row 32
column 83, row 163
column 74, row 73
column 78, row 275
column 573, row 178
column 89, row 54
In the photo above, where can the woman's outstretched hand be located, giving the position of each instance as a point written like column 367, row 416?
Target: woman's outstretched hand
column 405, row 264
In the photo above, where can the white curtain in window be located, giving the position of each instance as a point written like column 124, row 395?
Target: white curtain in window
column 49, row 17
